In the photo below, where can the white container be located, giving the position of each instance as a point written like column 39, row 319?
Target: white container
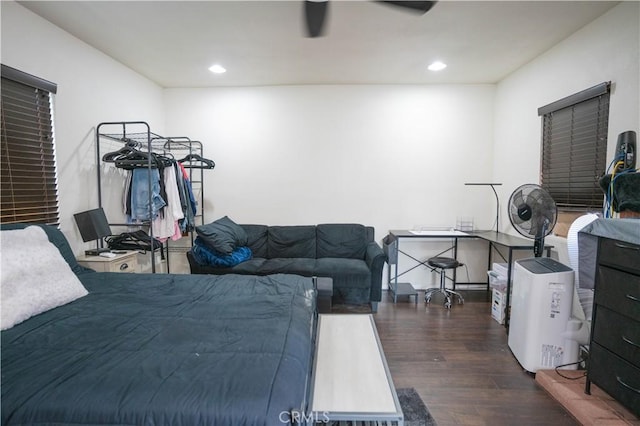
column 501, row 269
column 497, row 281
column 542, row 295
column 464, row 224
column 498, row 311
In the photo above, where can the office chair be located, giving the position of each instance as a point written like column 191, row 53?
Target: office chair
column 441, row 264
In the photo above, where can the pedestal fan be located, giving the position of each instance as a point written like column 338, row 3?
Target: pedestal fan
column 533, row 213
column 542, row 292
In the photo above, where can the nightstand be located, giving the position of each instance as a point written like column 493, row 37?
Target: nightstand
column 122, row 262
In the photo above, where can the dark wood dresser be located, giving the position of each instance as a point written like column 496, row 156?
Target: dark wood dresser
column 614, row 363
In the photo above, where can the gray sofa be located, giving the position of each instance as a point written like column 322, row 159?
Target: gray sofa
column 347, row 253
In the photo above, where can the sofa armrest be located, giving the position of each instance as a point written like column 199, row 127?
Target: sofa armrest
column 195, row 267
column 375, row 259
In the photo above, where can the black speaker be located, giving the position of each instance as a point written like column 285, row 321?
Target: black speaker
column 626, row 151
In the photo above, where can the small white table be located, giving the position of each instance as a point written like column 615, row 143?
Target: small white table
column 351, row 379
column 121, row 262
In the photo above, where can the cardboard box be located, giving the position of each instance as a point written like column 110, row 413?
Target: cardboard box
column 498, row 307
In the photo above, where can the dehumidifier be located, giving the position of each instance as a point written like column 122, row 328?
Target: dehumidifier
column 541, row 303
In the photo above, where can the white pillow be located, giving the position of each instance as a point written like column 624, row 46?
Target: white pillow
column 34, row 276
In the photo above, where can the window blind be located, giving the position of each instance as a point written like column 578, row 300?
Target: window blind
column 28, row 179
column 574, row 148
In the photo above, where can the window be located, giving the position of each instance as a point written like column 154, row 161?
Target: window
column 28, row 181
column 574, row 148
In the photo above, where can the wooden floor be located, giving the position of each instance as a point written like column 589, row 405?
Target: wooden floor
column 460, row 364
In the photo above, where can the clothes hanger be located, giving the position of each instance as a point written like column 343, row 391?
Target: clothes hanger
column 208, row 164
column 110, row 157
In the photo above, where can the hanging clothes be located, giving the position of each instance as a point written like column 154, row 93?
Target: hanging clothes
column 141, row 179
column 166, row 225
column 190, row 206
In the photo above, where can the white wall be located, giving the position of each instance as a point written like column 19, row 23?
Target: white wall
column 388, row 156
column 92, row 88
column 607, row 49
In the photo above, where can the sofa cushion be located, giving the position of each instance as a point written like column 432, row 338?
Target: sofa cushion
column 291, row 241
column 345, row 272
column 257, row 239
column 343, row 240
column 250, row 267
column 223, row 235
column 299, row 266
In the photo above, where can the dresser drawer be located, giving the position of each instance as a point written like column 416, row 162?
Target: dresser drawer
column 619, row 254
column 615, row 376
column 618, row 334
column 618, row 291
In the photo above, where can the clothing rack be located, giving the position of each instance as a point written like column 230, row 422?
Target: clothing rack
column 192, row 158
column 145, row 149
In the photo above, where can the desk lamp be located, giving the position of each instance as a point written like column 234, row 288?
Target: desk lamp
column 93, row 225
column 492, row 185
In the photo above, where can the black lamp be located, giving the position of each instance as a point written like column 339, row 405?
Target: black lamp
column 93, row 226
column 492, row 185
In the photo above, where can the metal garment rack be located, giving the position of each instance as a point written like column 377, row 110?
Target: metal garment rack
column 184, row 145
column 139, row 133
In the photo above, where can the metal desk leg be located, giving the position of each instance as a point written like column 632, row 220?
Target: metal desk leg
column 395, row 281
column 507, row 315
column 455, row 256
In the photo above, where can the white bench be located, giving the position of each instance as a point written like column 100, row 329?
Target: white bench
column 351, row 379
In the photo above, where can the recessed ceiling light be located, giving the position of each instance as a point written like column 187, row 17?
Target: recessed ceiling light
column 217, row 69
column 437, row 66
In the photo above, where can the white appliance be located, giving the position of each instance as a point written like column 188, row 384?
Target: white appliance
column 541, row 302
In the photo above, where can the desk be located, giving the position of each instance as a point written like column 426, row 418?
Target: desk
column 495, row 240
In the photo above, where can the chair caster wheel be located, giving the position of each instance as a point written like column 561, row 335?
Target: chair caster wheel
column 447, row 305
column 427, row 300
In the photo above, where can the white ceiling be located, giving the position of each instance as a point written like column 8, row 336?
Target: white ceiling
column 263, row 42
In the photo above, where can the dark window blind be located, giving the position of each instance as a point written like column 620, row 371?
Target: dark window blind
column 574, row 148
column 28, row 180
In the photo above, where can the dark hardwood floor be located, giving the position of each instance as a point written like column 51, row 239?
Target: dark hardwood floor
column 461, row 365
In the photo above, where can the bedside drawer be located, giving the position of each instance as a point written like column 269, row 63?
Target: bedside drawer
column 129, row 264
column 126, row 262
column 618, row 291
column 620, row 254
column 618, row 334
column 616, row 377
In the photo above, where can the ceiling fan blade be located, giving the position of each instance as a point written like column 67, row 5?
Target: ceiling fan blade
column 416, row 6
column 315, row 13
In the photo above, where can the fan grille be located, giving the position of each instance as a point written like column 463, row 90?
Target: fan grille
column 532, row 211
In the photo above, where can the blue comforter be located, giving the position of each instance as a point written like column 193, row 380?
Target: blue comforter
column 163, row 350
column 205, row 255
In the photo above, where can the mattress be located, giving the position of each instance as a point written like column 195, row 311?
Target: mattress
column 145, row 349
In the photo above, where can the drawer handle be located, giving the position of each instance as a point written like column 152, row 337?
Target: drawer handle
column 630, row 297
column 124, row 266
column 627, row 386
column 624, row 246
column 624, row 338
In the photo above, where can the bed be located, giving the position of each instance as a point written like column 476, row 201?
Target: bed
column 158, row 349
